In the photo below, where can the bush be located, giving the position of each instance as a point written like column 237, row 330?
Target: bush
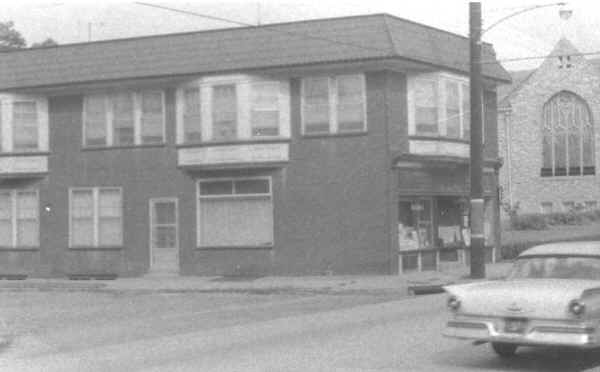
column 534, row 221
column 566, row 218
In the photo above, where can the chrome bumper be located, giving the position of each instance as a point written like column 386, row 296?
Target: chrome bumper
column 579, row 335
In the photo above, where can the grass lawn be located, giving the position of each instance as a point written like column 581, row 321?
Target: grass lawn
column 515, row 241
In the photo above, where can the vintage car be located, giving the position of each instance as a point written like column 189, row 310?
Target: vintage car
column 551, row 297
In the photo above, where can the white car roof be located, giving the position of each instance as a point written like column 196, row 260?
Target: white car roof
column 590, row 248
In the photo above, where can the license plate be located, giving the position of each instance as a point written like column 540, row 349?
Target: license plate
column 515, row 325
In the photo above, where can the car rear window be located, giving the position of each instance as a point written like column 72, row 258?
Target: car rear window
column 556, row 267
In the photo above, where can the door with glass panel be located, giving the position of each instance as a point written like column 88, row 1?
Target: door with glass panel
column 164, row 245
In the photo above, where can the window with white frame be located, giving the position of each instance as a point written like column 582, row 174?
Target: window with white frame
column 192, row 115
column 19, row 218
column 124, row 118
column 23, row 123
column 25, row 126
column 333, row 104
column 264, row 114
column 232, row 108
column 95, row 217
column 224, row 112
column 439, row 106
column 235, row 212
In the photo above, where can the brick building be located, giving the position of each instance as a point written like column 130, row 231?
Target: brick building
column 548, row 134
column 295, row 148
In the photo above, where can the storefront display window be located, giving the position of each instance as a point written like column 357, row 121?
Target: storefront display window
column 415, row 224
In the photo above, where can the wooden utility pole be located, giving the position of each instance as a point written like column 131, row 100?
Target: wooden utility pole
column 476, row 167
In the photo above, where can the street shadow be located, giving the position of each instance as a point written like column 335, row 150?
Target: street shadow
column 526, row 359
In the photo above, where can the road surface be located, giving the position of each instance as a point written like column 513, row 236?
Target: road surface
column 235, row 332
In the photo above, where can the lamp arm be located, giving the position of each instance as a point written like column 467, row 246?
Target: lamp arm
column 520, row 12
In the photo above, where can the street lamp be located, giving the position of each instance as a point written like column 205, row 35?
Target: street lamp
column 476, row 166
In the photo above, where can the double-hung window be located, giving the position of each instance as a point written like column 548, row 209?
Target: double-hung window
column 152, row 117
column 264, row 116
column 192, row 115
column 224, row 112
column 25, row 126
column 235, row 212
column 123, row 118
column 440, row 106
column 95, row 217
column 23, row 123
column 426, row 108
column 19, row 218
column 333, row 104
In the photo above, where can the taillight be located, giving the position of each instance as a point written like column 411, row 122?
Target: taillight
column 576, row 307
column 453, row 303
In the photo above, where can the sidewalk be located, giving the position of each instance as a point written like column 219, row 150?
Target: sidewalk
column 405, row 284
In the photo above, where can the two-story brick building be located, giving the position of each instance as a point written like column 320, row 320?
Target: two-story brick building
column 294, row 148
column 548, row 134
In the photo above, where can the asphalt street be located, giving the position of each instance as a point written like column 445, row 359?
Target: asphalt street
column 61, row 331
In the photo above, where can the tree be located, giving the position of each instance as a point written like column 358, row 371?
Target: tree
column 10, row 38
column 46, row 43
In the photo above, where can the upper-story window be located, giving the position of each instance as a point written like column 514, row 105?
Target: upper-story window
column 224, row 110
column 229, row 109
column 439, row 106
column 123, row 119
column 333, row 104
column 23, row 123
column 567, row 137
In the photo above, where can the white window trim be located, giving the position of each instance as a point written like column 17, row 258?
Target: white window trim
column 232, row 196
column 13, row 203
column 137, row 119
column 440, row 79
column 252, row 108
column 333, row 105
column 6, row 121
column 243, row 85
column 95, row 198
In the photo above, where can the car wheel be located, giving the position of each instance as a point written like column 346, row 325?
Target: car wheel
column 504, row 350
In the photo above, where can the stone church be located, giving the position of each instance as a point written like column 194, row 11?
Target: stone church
column 548, row 134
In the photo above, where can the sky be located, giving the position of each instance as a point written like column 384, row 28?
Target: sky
column 531, row 34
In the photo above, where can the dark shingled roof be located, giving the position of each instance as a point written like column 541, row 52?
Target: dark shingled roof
column 358, row 38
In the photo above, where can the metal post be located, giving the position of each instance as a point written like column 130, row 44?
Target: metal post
column 476, row 84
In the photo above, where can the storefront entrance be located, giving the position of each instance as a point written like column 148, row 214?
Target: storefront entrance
column 435, row 229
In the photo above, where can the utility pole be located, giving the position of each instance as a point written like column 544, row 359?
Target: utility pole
column 476, row 165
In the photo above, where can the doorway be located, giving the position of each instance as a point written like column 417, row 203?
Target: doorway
column 164, row 242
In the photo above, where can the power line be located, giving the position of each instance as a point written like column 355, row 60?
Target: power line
column 539, row 57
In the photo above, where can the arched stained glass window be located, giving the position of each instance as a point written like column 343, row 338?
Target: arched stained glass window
column 567, row 137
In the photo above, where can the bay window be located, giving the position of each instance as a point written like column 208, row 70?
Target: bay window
column 231, row 109
column 333, row 104
column 439, row 106
column 123, row 119
column 235, row 213
column 23, row 123
column 95, row 217
column 19, row 218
